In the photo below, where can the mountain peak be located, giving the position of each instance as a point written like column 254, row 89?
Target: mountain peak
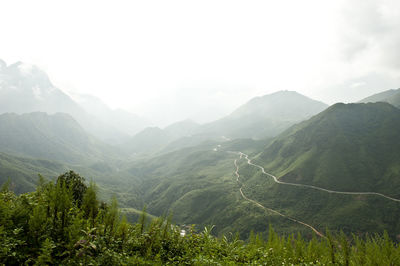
column 389, row 96
column 360, row 107
column 25, row 76
column 2, row 64
column 288, row 104
column 326, row 149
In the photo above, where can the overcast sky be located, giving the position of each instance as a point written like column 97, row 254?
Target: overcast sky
column 201, row 59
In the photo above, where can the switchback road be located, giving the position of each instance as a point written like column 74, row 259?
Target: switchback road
column 314, row 187
column 265, row 208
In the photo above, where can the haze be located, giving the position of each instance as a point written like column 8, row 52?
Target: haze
column 172, row 60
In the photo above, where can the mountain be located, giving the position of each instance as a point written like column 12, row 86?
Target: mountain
column 154, row 139
column 351, row 147
column 265, row 116
column 120, row 119
column 260, row 118
column 55, row 137
column 348, row 147
column 389, row 96
column 23, row 172
column 25, row 88
column 146, row 141
column 182, row 129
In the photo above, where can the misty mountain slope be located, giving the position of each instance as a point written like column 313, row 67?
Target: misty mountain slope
column 55, row 137
column 265, row 116
column 23, row 172
column 260, row 118
column 182, row 128
column 389, row 96
column 154, row 139
column 25, row 88
column 147, row 141
column 122, row 120
column 348, row 147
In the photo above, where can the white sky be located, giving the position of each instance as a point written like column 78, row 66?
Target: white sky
column 201, row 59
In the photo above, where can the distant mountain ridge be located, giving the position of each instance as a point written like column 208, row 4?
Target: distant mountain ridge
column 389, row 96
column 265, row 116
column 260, row 118
column 120, row 119
column 54, row 137
column 25, row 88
column 154, row 139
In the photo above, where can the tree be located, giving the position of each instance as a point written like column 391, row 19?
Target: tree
column 76, row 183
column 90, row 204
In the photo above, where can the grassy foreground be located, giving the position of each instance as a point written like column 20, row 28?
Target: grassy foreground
column 64, row 223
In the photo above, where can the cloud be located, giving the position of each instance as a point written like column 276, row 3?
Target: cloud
column 370, row 32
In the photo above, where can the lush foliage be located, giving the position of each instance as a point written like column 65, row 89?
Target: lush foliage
column 49, row 227
column 23, row 172
column 351, row 147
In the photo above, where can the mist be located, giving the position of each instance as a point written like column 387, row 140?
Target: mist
column 178, row 60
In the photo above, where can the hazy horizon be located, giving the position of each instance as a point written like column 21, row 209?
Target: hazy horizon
column 181, row 59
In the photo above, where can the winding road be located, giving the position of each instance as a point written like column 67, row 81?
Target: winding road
column 265, row 208
column 310, row 186
column 293, row 184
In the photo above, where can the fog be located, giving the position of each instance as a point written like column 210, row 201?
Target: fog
column 172, row 60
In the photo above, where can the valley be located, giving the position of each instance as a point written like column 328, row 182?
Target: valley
column 329, row 167
column 268, row 209
column 313, row 187
column 200, row 132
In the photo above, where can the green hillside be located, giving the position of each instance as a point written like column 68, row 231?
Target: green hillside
column 65, row 223
column 23, row 172
column 265, row 116
column 54, row 137
column 197, row 186
column 389, row 96
column 351, row 147
column 260, row 118
column 347, row 147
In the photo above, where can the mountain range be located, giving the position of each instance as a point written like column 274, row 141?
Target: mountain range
column 265, row 116
column 26, row 88
column 54, row 137
column 348, row 147
column 389, row 96
column 260, row 118
column 199, row 172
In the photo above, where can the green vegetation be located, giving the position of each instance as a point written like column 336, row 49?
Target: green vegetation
column 389, row 96
column 261, row 117
column 347, row 147
column 265, row 116
column 64, row 223
column 353, row 214
column 23, row 172
column 52, row 137
column 351, row 147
